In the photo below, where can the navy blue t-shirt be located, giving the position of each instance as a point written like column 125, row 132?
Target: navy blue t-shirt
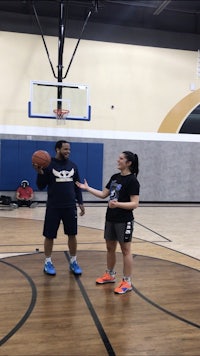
column 121, row 188
column 59, row 178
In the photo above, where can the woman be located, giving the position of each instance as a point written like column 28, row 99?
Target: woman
column 123, row 191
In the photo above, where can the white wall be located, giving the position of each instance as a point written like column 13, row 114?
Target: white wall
column 142, row 83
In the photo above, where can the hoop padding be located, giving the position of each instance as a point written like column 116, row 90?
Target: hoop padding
column 61, row 114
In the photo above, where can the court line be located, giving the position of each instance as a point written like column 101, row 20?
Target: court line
column 171, row 249
column 57, row 244
column 30, row 308
column 141, row 295
column 164, row 310
column 95, row 318
column 156, row 233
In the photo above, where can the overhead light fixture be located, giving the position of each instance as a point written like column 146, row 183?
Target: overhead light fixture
column 161, row 7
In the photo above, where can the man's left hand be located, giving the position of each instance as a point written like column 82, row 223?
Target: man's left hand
column 81, row 206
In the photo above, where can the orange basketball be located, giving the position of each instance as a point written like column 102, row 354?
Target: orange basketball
column 41, row 158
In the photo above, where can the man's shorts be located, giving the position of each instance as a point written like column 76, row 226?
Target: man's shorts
column 121, row 232
column 53, row 218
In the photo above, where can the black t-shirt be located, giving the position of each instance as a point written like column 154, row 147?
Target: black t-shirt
column 121, row 188
column 59, row 178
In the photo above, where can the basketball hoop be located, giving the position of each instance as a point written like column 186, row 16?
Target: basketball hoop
column 61, row 115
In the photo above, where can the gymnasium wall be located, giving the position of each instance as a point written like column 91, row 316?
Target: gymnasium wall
column 133, row 88
column 169, row 171
column 16, row 165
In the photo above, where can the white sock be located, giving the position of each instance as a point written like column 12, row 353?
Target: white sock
column 72, row 259
column 47, row 259
column 127, row 279
column 111, row 272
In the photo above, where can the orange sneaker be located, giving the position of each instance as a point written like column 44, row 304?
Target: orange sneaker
column 106, row 278
column 123, row 287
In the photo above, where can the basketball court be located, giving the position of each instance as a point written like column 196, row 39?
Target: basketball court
column 68, row 315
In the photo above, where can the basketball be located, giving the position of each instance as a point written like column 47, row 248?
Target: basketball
column 41, row 158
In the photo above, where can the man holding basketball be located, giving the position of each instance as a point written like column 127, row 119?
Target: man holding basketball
column 59, row 178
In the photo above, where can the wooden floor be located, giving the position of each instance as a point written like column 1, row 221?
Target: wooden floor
column 72, row 316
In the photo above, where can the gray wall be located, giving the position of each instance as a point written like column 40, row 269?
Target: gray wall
column 169, row 171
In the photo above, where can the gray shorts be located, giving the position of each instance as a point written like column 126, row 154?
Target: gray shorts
column 121, row 232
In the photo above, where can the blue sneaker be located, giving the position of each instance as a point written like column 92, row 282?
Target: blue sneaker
column 74, row 267
column 49, row 268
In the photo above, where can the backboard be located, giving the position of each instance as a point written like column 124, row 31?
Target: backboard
column 46, row 97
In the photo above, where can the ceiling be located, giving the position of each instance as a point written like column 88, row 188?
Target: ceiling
column 171, row 16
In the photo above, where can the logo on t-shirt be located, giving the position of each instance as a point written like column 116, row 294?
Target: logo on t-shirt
column 114, row 190
column 63, row 176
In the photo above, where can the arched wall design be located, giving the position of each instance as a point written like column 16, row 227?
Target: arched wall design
column 179, row 113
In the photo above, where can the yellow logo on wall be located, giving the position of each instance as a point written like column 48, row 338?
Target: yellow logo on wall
column 179, row 113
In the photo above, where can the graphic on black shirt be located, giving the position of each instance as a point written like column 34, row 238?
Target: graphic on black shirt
column 63, row 176
column 114, row 190
column 59, row 178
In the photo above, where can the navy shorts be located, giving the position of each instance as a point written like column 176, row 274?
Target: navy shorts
column 121, row 232
column 53, row 218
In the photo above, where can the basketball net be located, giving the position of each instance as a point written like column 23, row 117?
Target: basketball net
column 61, row 115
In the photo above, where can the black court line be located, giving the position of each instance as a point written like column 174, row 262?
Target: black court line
column 141, row 295
column 170, row 249
column 95, row 318
column 57, row 244
column 156, row 233
column 164, row 310
column 142, row 241
column 30, row 308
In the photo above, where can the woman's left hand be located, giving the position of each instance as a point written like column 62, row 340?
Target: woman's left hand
column 112, row 204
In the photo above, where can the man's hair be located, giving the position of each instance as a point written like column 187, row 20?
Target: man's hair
column 59, row 144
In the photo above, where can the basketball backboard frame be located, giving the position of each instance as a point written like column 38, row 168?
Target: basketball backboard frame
column 44, row 100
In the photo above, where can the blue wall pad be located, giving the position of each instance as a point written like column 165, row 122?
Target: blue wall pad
column 16, row 165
